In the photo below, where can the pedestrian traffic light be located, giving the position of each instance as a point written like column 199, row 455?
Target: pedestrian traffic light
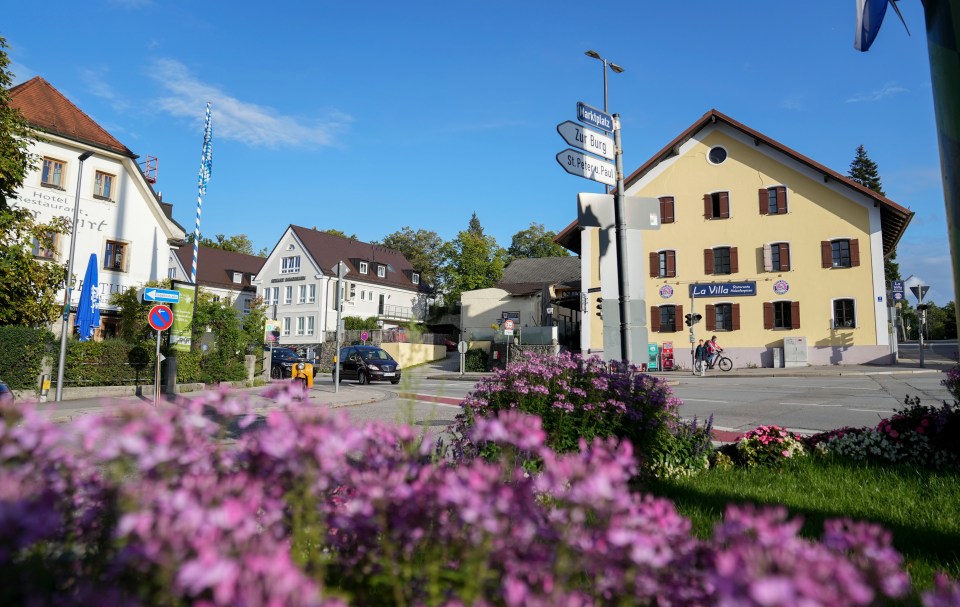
column 600, row 307
column 696, row 318
column 692, row 319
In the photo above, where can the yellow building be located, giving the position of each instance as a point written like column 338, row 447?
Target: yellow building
column 775, row 245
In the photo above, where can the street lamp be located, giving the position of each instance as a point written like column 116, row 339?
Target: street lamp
column 613, row 66
column 67, row 288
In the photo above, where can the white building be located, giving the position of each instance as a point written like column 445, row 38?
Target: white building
column 226, row 275
column 121, row 219
column 298, row 284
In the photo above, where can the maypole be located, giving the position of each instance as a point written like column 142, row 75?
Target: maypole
column 206, row 166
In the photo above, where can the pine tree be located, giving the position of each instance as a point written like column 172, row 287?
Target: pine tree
column 865, row 172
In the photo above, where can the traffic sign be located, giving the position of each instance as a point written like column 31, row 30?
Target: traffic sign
column 594, row 117
column 161, row 317
column 581, row 165
column 919, row 291
column 508, row 324
column 896, row 288
column 586, row 139
column 164, row 295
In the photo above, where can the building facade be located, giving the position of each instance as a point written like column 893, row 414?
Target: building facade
column 120, row 217
column 226, row 275
column 298, row 284
column 768, row 246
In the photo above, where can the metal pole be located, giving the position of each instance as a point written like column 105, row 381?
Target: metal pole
column 922, row 319
column 623, row 282
column 67, row 289
column 693, row 333
column 337, row 362
column 156, row 374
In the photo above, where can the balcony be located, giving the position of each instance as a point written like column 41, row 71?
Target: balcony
column 389, row 312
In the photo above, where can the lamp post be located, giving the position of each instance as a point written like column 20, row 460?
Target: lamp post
column 613, row 66
column 64, row 332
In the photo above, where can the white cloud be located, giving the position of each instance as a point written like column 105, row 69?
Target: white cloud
column 21, row 73
column 97, row 81
column 888, row 89
column 249, row 123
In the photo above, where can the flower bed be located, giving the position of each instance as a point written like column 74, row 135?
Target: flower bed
column 152, row 507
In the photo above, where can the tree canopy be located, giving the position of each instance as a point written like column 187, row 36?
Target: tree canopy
column 30, row 282
column 472, row 261
column 424, row 249
column 15, row 135
column 240, row 243
column 535, row 241
column 864, row 171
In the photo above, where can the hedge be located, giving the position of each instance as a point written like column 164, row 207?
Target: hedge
column 22, row 350
column 111, row 362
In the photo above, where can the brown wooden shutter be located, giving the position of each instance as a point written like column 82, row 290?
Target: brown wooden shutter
column 724, row 205
column 784, row 256
column 734, row 261
column 795, row 314
column 711, row 317
column 854, row 252
column 654, row 264
column 708, row 261
column 678, row 318
column 666, row 209
column 707, row 206
column 781, row 200
column 671, row 263
column 764, row 206
column 767, row 315
column 655, row 319
column 826, row 254
column 735, row 314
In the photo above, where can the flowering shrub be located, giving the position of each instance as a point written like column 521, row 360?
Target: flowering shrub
column 918, row 435
column 152, row 507
column 577, row 398
column 766, row 446
column 687, row 453
column 952, row 382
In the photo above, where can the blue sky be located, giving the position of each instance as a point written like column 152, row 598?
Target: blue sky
column 370, row 116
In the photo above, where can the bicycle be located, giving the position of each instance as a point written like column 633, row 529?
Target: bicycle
column 721, row 361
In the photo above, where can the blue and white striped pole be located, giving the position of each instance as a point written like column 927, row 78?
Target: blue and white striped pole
column 206, row 166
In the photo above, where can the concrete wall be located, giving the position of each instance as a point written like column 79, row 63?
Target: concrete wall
column 414, row 354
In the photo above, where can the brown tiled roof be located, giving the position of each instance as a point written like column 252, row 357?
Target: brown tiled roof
column 541, row 271
column 215, row 267
column 893, row 217
column 329, row 249
column 46, row 109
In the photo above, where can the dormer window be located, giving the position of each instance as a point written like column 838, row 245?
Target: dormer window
column 363, row 267
column 381, row 271
column 237, row 277
column 416, row 278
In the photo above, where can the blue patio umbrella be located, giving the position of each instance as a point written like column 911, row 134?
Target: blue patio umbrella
column 88, row 310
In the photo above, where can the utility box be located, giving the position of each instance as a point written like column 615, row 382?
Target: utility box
column 653, row 357
column 795, row 352
column 666, row 356
column 777, row 358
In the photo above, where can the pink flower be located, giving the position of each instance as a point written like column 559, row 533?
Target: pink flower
column 785, row 453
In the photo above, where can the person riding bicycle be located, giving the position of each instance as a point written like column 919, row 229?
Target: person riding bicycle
column 713, row 351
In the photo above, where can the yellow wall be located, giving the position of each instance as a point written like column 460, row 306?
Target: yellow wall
column 816, row 212
column 414, row 354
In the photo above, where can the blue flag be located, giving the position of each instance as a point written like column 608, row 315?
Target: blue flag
column 869, row 17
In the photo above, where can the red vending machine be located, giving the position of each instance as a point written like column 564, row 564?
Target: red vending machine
column 666, row 355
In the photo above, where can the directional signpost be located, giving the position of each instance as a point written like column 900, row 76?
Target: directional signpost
column 582, row 165
column 161, row 319
column 594, row 117
column 586, row 139
column 164, row 295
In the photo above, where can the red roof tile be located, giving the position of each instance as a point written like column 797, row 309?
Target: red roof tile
column 46, row 109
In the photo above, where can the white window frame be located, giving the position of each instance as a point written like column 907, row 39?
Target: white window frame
column 310, row 325
column 301, row 325
column 247, row 304
column 63, row 173
column 98, row 186
column 275, row 298
column 416, row 278
column 833, row 314
column 238, row 277
column 290, row 265
column 381, row 271
column 288, row 295
column 312, row 293
column 286, row 326
column 363, row 267
column 302, row 294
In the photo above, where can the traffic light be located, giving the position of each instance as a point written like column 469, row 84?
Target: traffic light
column 923, row 307
column 692, row 319
column 600, row 307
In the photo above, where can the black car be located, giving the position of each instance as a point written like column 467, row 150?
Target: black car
column 282, row 362
column 368, row 363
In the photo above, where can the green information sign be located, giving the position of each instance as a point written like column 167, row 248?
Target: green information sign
column 182, row 317
column 653, row 357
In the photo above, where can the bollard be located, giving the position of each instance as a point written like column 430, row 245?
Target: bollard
column 170, row 377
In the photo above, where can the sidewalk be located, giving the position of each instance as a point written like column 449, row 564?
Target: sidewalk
column 322, row 394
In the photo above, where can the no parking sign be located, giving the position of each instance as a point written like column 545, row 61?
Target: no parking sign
column 161, row 317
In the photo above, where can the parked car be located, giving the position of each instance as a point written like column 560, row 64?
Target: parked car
column 368, row 363
column 6, row 394
column 283, row 361
column 450, row 344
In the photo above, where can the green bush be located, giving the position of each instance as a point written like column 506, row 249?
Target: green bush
column 188, row 367
column 476, row 360
column 22, row 350
column 356, row 323
column 111, row 362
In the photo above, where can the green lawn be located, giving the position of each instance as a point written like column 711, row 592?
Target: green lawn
column 920, row 507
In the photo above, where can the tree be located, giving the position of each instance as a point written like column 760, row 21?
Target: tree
column 29, row 284
column 535, row 241
column 865, row 172
column 339, row 233
column 424, row 249
column 236, row 244
column 473, row 261
column 15, row 135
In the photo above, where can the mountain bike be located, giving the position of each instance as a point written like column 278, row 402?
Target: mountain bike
column 721, row 361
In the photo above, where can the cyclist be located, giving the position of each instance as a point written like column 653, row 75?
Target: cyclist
column 713, row 351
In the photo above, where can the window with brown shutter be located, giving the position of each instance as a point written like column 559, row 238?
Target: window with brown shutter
column 666, row 209
column 854, row 252
column 784, row 256
column 710, row 317
column 826, row 254
column 735, row 316
column 781, row 200
column 678, row 318
column 734, row 263
column 764, row 196
column 724, row 205
column 655, row 318
column 708, row 261
column 654, row 264
column 795, row 314
column 707, row 206
column 671, row 264
column 767, row 315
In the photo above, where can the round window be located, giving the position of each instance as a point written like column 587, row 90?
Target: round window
column 717, row 155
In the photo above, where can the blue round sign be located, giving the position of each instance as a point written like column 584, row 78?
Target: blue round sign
column 161, row 317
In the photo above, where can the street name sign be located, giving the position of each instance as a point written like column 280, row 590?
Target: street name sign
column 594, row 117
column 582, row 165
column 164, row 295
column 586, row 139
column 723, row 289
